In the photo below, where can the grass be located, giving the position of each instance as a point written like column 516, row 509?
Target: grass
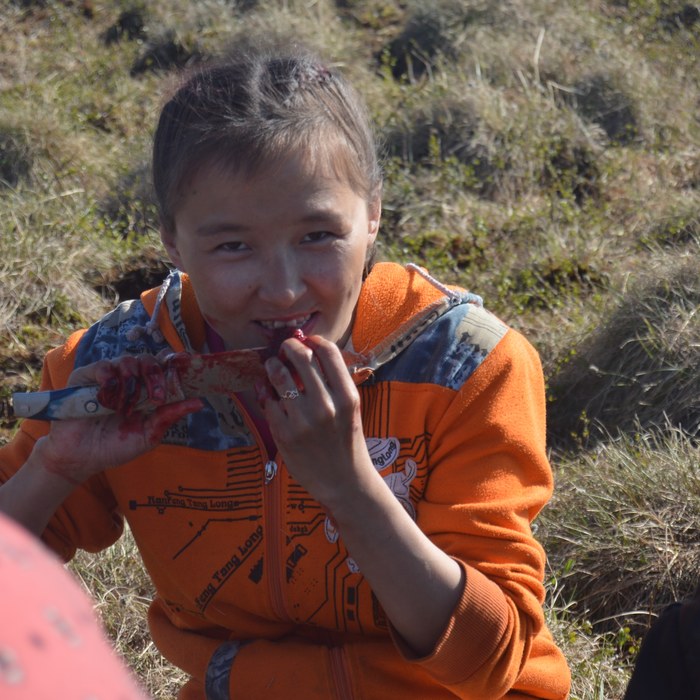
column 621, row 533
column 544, row 154
column 122, row 591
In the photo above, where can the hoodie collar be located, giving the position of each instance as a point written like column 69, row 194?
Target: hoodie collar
column 396, row 304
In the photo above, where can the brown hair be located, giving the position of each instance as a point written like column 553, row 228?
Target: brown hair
column 254, row 107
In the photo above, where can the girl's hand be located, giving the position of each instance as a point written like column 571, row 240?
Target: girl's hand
column 315, row 418
column 78, row 449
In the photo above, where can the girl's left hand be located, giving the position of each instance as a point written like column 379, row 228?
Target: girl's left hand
column 315, row 418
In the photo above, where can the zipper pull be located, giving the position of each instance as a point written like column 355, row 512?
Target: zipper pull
column 270, row 471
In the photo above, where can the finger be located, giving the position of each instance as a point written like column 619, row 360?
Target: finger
column 305, row 367
column 275, row 415
column 107, row 377
column 287, row 350
column 90, row 374
column 331, row 364
column 154, row 380
column 129, row 389
column 127, row 381
column 272, row 406
column 264, row 392
column 116, row 386
column 281, row 377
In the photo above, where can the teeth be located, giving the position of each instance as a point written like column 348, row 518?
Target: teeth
column 296, row 323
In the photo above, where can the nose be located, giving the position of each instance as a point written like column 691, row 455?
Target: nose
column 282, row 281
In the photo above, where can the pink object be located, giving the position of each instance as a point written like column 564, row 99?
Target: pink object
column 51, row 644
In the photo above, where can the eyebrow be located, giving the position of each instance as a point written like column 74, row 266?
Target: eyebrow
column 316, row 216
column 219, row 227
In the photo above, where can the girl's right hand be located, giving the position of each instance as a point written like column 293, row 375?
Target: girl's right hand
column 78, row 449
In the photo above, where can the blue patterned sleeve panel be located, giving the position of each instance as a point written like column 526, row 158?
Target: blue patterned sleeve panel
column 218, row 426
column 449, row 350
column 119, row 333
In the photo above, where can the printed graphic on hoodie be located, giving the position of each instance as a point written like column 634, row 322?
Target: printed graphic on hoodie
column 297, row 548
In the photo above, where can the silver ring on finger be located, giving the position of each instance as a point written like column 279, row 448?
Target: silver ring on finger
column 290, row 395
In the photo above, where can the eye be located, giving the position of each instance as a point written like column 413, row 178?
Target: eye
column 232, row 246
column 317, row 236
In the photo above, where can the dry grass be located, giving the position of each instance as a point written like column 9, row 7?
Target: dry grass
column 122, row 593
column 622, row 542
column 638, row 369
column 600, row 666
column 621, row 531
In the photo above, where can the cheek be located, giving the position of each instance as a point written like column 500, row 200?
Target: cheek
column 346, row 267
column 336, row 282
column 221, row 286
column 344, row 288
column 217, row 301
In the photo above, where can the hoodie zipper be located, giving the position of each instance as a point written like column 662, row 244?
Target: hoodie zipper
column 272, row 523
column 271, row 497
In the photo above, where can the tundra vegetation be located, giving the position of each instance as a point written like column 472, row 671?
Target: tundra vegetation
column 544, row 153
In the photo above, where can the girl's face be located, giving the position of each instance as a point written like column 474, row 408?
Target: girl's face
column 285, row 247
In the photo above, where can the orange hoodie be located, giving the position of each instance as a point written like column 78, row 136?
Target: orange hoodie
column 453, row 412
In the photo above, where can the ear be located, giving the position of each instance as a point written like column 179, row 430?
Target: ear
column 375, row 214
column 170, row 244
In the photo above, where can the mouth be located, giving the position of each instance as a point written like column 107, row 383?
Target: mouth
column 278, row 331
column 274, row 326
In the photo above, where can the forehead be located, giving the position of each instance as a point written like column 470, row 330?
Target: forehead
column 320, row 155
column 295, row 173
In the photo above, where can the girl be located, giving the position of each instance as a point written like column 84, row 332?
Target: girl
column 329, row 535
